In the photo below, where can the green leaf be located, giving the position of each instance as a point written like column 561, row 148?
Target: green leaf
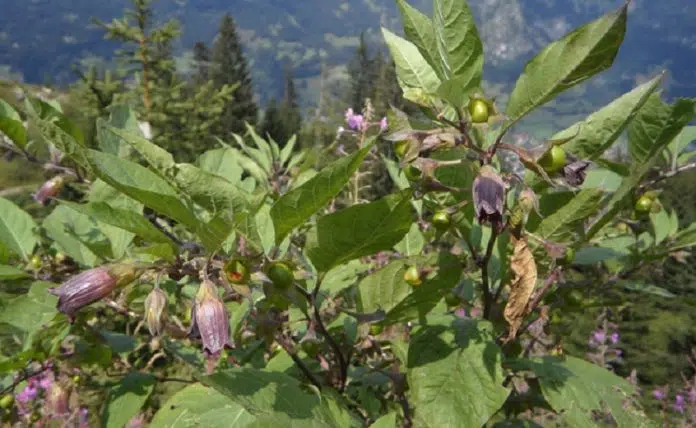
column 75, row 234
column 11, row 273
column 287, row 150
column 296, row 206
column 654, row 127
column 11, row 125
column 455, row 375
column 124, row 219
column 385, row 288
column 222, row 162
column 359, row 230
column 457, row 90
column 594, row 255
column 121, row 117
column 680, row 142
column 419, row 31
column 602, row 179
column 160, row 159
column 577, row 388
column 343, row 276
column 661, row 225
column 593, row 136
column 567, row 62
column 412, row 70
column 127, row 398
column 642, row 287
column 458, row 44
column 32, row 311
column 277, row 397
column 142, row 185
column 413, row 242
column 199, row 406
column 684, row 239
column 16, row 229
column 559, row 226
column 386, row 421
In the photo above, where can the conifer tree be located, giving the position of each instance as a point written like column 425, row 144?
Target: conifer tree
column 229, row 66
column 201, row 63
column 290, row 110
column 360, row 70
column 273, row 124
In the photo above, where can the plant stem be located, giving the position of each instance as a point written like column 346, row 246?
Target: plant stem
column 487, row 296
column 298, row 362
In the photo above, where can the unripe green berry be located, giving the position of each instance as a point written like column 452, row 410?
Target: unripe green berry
column 281, row 275
column 412, row 276
column 479, row 111
column 441, row 220
column 553, row 160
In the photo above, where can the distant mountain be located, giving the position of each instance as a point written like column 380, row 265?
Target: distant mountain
column 40, row 39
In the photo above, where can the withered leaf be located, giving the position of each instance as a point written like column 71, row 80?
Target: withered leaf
column 522, row 285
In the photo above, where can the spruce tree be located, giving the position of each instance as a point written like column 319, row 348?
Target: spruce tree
column 229, row 66
column 290, row 110
column 360, row 70
column 386, row 90
column 273, row 124
column 201, row 63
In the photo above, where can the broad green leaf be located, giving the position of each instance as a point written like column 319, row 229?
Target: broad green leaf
column 517, row 423
column 76, row 235
column 680, row 142
column 577, row 389
column 16, row 229
column 11, row 125
column 567, row 62
column 160, row 159
column 142, row 185
column 457, row 90
column 661, row 226
column 127, row 398
column 359, row 230
column 412, row 70
column 419, row 30
column 593, row 136
column 258, row 156
column 287, row 150
column 296, row 206
column 124, row 219
column 458, row 44
column 32, row 311
column 594, row 255
column 121, row 117
column 654, row 127
column 559, row 226
column 684, row 239
column 262, row 144
column 413, row 242
column 277, row 397
column 602, row 179
column 343, row 276
column 222, row 162
column 644, row 288
column 200, row 406
column 455, row 375
column 385, row 288
column 11, row 273
column 386, row 421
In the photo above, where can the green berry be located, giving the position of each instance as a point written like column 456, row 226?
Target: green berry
column 281, row 275
column 553, row 160
column 36, row 262
column 412, row 276
column 376, row 329
column 479, row 111
column 412, row 173
column 644, row 204
column 441, row 220
column 7, row 401
column 236, row 272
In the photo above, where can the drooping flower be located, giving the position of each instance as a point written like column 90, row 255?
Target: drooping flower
column 92, row 285
column 489, row 194
column 575, row 172
column 49, row 190
column 210, row 320
column 155, row 310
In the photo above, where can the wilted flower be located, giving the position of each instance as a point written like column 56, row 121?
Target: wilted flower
column 49, row 190
column 354, row 121
column 383, row 124
column 575, row 172
column 489, row 194
column 210, row 320
column 155, row 310
column 92, row 285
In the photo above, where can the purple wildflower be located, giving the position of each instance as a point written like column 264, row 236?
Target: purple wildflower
column 210, row 321
column 29, row 393
column 679, row 403
column 599, row 336
column 658, row 394
column 354, row 121
column 614, row 338
column 46, row 381
column 383, row 125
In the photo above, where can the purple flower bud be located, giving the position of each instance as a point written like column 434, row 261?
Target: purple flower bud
column 599, row 337
column 92, row 285
column 679, row 403
column 488, row 194
column 155, row 310
column 49, row 190
column 658, row 394
column 354, row 121
column 29, row 393
column 614, row 338
column 383, row 124
column 210, row 320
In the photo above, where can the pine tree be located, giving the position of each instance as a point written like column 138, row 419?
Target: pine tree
column 273, row 124
column 290, row 109
column 229, row 66
column 201, row 63
column 360, row 70
column 386, row 90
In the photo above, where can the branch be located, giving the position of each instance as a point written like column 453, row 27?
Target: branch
column 669, row 174
column 298, row 362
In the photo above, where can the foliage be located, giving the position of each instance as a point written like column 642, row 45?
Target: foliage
column 340, row 308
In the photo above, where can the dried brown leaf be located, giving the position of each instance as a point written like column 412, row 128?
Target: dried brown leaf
column 522, row 285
